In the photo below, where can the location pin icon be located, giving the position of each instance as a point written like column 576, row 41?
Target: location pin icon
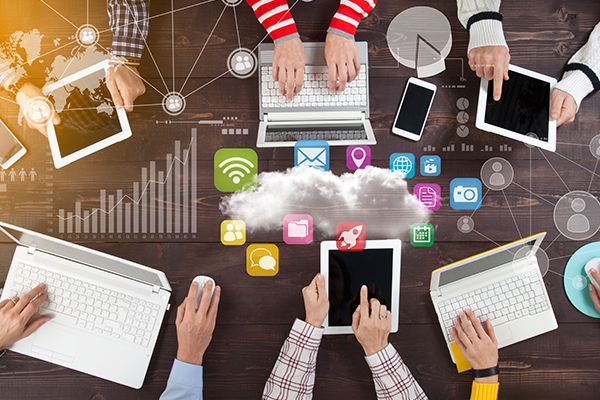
column 360, row 158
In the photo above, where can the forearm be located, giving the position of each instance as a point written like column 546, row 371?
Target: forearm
column 128, row 21
column 392, row 378
column 485, row 28
column 346, row 19
column 582, row 74
column 275, row 16
column 293, row 375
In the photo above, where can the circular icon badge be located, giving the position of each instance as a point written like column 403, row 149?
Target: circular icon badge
column 87, row 35
column 595, row 146
column 173, row 103
column 465, row 224
column 38, row 111
column 577, row 215
column 497, row 173
column 232, row 3
column 242, row 63
column 531, row 135
column 526, row 251
column 462, row 103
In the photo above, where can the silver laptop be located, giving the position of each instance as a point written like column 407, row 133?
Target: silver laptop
column 504, row 284
column 106, row 311
column 342, row 119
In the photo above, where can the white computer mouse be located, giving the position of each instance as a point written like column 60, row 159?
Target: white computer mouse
column 202, row 280
column 594, row 263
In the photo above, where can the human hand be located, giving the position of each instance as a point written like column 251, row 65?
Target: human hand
column 593, row 292
column 14, row 318
column 491, row 62
column 288, row 67
column 478, row 346
column 195, row 327
column 562, row 107
column 341, row 56
column 25, row 94
column 316, row 302
column 125, row 85
column 371, row 329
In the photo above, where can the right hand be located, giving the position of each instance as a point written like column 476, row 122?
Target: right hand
column 195, row 327
column 491, row 62
column 478, row 346
column 27, row 92
column 371, row 328
column 562, row 107
column 288, row 67
column 14, row 318
column 316, row 302
column 593, row 292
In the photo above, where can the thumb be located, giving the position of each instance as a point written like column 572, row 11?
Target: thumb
column 111, row 85
column 321, row 288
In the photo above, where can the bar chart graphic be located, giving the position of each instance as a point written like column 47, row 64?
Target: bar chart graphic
column 162, row 204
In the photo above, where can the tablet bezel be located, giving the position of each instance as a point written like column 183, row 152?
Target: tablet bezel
column 393, row 244
column 480, row 123
column 60, row 161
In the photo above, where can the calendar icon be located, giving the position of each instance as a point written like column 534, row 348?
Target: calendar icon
column 421, row 234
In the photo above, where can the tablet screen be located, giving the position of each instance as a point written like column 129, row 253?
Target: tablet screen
column 348, row 271
column 524, row 106
column 87, row 113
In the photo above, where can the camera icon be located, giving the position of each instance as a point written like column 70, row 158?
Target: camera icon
column 468, row 194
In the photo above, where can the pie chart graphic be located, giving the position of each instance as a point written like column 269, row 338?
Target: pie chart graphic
column 420, row 38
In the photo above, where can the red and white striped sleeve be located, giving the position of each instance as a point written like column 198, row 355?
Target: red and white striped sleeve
column 346, row 19
column 275, row 16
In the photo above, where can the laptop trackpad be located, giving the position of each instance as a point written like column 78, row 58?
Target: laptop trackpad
column 55, row 343
column 503, row 334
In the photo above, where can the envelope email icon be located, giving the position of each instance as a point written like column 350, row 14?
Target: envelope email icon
column 312, row 153
column 298, row 228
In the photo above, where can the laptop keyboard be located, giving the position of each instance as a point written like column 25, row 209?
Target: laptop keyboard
column 504, row 301
column 89, row 306
column 288, row 135
column 315, row 90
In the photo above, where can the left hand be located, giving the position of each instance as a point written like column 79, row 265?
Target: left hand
column 316, row 302
column 195, row 327
column 26, row 93
column 125, row 85
column 491, row 62
column 341, row 56
column 563, row 107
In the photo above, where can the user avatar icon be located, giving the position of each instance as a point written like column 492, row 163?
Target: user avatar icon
column 579, row 282
column 577, row 215
column 578, row 223
column 233, row 232
column 465, row 224
column 497, row 173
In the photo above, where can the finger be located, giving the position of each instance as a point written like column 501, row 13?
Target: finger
column 189, row 304
column 343, row 76
column 479, row 69
column 128, row 99
column 180, row 313
column 375, row 307
column 364, row 303
column 214, row 304
column 299, row 79
column 476, row 324
column 56, row 119
column 356, row 319
column 332, row 77
column 388, row 321
column 595, row 276
column 556, row 104
column 33, row 306
column 205, row 300
column 490, row 331
column 351, row 71
column 382, row 311
column 505, row 66
column 321, row 288
column 356, row 62
column 5, row 302
column 462, row 336
column 565, row 117
column 458, row 340
column 33, row 325
column 467, row 326
column 290, row 84
column 114, row 92
column 498, row 78
column 24, row 301
column 595, row 297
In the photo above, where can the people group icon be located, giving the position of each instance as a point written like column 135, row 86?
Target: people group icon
column 88, row 36
column 38, row 111
column 173, row 103
column 242, row 63
column 234, row 232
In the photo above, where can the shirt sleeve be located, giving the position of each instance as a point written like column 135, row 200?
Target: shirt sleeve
column 293, row 376
column 346, row 19
column 185, row 382
column 582, row 74
column 275, row 16
column 128, row 21
column 393, row 380
column 484, row 391
column 484, row 22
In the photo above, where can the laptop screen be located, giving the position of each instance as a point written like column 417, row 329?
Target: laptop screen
column 486, row 263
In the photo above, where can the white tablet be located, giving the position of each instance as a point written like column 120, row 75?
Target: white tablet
column 89, row 120
column 377, row 266
column 523, row 111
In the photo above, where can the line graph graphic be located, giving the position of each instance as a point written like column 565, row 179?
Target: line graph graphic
column 162, row 202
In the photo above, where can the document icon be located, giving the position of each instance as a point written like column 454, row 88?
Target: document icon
column 429, row 196
column 312, row 153
column 297, row 229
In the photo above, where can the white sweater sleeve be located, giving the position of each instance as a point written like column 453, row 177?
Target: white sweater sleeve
column 582, row 74
column 486, row 32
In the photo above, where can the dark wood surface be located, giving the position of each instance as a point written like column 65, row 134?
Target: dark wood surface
column 256, row 313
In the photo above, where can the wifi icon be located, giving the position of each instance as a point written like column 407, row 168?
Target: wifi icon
column 235, row 170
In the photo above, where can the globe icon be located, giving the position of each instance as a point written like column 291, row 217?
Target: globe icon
column 402, row 166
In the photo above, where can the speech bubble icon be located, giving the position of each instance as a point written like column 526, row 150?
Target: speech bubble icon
column 267, row 262
column 262, row 260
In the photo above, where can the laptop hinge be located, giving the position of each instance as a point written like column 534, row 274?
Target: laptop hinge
column 315, row 116
column 31, row 249
column 155, row 289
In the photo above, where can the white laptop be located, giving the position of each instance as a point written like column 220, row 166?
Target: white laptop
column 504, row 284
column 89, row 120
column 377, row 266
column 107, row 312
column 342, row 119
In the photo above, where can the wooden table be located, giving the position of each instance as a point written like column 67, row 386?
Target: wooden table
column 256, row 314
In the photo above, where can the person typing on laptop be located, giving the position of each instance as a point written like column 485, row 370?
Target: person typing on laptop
column 293, row 375
column 194, row 333
column 15, row 316
column 341, row 54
